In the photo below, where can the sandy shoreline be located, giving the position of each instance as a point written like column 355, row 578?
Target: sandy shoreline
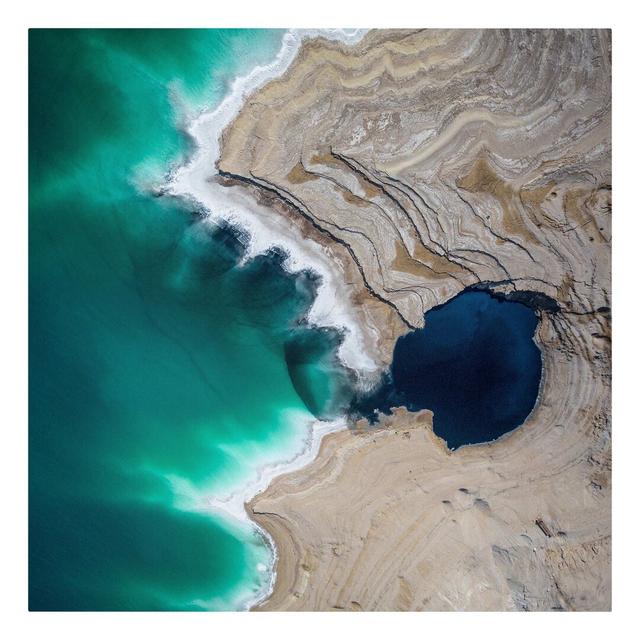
column 195, row 182
column 502, row 176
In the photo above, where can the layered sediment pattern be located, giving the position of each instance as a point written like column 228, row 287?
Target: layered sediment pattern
column 392, row 520
column 427, row 162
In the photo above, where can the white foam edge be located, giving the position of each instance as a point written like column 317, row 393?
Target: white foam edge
column 235, row 503
column 266, row 229
column 232, row 507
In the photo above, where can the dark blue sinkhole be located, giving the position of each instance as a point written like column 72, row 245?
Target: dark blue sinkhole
column 474, row 364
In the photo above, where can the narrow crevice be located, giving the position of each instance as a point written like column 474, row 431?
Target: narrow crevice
column 289, row 201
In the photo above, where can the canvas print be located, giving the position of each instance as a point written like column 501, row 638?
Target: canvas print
column 319, row 320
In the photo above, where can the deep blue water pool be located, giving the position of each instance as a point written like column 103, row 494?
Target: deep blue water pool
column 474, row 364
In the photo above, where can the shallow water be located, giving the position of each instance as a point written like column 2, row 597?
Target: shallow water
column 161, row 372
column 474, row 364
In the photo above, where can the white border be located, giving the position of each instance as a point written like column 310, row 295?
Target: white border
column 15, row 621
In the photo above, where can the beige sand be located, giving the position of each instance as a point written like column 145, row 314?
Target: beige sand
column 391, row 520
column 426, row 162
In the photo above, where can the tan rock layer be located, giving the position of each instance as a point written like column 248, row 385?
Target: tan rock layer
column 427, row 162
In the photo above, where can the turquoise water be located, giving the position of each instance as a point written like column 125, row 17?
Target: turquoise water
column 161, row 371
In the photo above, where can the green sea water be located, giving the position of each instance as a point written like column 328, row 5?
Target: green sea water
column 161, row 369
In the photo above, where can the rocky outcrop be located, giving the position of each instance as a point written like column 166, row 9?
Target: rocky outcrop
column 427, row 162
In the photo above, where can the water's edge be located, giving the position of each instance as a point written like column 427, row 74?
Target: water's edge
column 191, row 184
